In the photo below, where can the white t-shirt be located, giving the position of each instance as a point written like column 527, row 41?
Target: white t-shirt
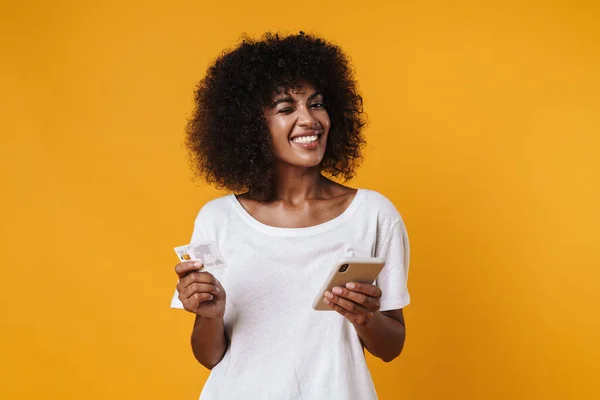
column 280, row 347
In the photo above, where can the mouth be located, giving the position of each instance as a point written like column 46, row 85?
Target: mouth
column 306, row 138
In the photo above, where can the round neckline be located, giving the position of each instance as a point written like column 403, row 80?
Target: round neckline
column 309, row 230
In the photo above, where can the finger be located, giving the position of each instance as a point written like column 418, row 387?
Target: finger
column 203, row 277
column 193, row 303
column 199, row 277
column 353, row 318
column 346, row 304
column 199, row 288
column 371, row 303
column 364, row 288
column 184, row 268
column 202, row 298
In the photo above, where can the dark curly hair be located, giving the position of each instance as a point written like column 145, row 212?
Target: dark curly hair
column 227, row 136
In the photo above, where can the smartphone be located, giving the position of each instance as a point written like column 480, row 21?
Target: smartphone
column 351, row 269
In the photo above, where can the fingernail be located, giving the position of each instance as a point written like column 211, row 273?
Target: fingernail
column 326, row 301
column 337, row 290
column 217, row 290
column 329, row 295
column 350, row 285
column 197, row 264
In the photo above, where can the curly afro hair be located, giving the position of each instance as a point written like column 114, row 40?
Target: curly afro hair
column 229, row 102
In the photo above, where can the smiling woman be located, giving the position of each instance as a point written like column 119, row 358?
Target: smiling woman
column 228, row 136
column 299, row 122
column 273, row 118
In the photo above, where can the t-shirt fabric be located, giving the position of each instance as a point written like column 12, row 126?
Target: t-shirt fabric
column 280, row 348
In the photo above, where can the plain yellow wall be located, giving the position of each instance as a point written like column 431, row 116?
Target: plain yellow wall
column 484, row 131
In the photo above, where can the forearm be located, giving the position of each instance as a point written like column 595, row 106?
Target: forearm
column 382, row 336
column 209, row 342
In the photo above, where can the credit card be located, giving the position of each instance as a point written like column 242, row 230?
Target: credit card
column 207, row 253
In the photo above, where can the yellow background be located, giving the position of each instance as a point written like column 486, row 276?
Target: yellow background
column 484, row 131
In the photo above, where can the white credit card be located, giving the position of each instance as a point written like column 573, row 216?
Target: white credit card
column 207, row 253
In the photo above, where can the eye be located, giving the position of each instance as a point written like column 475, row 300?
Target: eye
column 286, row 110
column 317, row 105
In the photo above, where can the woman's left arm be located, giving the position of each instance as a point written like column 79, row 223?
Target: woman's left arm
column 382, row 333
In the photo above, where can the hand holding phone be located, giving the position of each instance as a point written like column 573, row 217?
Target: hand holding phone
column 362, row 271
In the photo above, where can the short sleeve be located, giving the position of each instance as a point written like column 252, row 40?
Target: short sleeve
column 392, row 280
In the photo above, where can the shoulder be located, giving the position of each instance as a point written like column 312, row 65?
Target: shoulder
column 212, row 219
column 380, row 204
column 214, row 209
column 379, row 209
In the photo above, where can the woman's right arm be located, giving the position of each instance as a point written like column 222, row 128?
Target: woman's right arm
column 209, row 341
column 202, row 294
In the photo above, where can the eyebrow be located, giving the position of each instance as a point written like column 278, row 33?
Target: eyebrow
column 288, row 99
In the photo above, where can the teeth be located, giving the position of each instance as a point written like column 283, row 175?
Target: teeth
column 306, row 139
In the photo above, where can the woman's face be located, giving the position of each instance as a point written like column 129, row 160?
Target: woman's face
column 298, row 124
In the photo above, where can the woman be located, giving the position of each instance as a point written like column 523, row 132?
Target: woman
column 273, row 117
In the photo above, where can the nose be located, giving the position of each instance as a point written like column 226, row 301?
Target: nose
column 306, row 118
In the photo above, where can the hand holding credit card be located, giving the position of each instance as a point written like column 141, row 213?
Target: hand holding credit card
column 205, row 252
column 200, row 293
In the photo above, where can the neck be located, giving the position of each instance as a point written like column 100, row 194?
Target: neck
column 298, row 184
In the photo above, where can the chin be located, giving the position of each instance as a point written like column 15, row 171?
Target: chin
column 304, row 163
column 307, row 165
column 312, row 162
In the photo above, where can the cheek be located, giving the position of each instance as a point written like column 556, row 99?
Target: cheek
column 280, row 129
column 325, row 122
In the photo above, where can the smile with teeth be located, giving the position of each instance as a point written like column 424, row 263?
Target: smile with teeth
column 306, row 139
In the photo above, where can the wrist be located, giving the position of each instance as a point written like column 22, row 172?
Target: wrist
column 212, row 320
